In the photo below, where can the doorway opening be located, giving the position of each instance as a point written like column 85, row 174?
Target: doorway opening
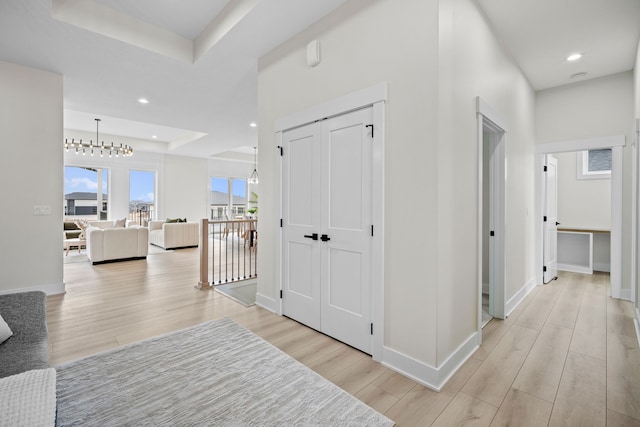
column 616, row 145
column 493, row 217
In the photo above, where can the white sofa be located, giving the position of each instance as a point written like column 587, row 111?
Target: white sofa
column 172, row 235
column 120, row 243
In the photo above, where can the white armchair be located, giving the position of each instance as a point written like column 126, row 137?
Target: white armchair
column 172, row 235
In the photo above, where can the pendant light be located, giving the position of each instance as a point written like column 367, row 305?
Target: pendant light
column 253, row 179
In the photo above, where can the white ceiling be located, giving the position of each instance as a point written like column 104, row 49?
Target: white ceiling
column 541, row 34
column 196, row 60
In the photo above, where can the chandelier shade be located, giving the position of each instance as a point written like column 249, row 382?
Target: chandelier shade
column 83, row 147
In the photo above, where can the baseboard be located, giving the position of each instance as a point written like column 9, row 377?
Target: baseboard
column 575, row 268
column 425, row 374
column 49, row 289
column 267, row 303
column 515, row 300
column 602, row 266
column 636, row 322
column 625, row 294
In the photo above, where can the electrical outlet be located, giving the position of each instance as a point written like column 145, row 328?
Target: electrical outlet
column 42, row 210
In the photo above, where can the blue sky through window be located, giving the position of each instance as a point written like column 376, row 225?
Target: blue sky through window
column 142, row 186
column 238, row 186
column 77, row 179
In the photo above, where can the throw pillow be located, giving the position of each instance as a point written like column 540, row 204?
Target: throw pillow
column 5, row 331
column 171, row 221
column 119, row 223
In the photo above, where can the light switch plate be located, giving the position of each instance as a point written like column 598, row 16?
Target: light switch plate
column 42, row 210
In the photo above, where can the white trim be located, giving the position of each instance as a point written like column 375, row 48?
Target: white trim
column 634, row 211
column 375, row 97
column 519, row 296
column 616, row 222
column 582, row 168
column 580, row 144
column 487, row 115
column 636, row 322
column 352, row 101
column 49, row 289
column 278, row 195
column 377, row 218
column 267, row 303
column 575, row 268
column 425, row 374
column 617, row 144
column 625, row 294
column 485, row 109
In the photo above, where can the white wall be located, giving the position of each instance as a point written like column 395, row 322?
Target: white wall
column 473, row 63
column 185, row 183
column 593, row 108
column 582, row 203
column 435, row 61
column 364, row 43
column 31, row 174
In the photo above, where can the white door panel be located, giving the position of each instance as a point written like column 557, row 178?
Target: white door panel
column 550, row 249
column 301, row 198
column 346, row 288
column 327, row 191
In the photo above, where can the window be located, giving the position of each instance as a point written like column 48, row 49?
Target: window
column 142, row 190
column 228, row 198
column 85, row 193
column 594, row 164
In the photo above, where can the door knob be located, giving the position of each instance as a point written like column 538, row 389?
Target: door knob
column 313, row 236
column 325, row 238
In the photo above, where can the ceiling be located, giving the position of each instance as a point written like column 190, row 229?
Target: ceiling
column 195, row 61
column 541, row 34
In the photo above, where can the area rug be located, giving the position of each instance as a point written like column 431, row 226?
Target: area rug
column 243, row 293
column 213, row 374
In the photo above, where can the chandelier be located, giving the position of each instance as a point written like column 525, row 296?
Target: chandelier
column 90, row 147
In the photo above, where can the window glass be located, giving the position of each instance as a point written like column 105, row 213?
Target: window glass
column 600, row 160
column 228, row 198
column 81, row 193
column 142, row 191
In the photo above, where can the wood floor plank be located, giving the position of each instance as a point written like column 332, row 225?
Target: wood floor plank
column 492, row 380
column 466, row 411
column 109, row 305
column 541, row 372
column 581, row 399
column 522, row 410
column 419, row 407
column 623, row 375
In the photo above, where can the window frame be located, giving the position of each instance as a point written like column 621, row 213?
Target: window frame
column 582, row 167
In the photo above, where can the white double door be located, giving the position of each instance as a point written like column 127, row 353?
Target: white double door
column 327, row 229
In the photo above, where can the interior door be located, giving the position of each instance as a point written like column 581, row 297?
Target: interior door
column 550, row 225
column 346, row 223
column 301, row 224
column 327, row 227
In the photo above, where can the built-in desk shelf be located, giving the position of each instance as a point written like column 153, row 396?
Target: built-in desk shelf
column 582, row 250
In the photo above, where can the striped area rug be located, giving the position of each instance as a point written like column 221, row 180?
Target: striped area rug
column 213, row 374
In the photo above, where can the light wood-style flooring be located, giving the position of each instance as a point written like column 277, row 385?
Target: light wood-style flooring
column 567, row 356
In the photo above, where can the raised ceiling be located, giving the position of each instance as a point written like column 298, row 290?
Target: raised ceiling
column 196, row 60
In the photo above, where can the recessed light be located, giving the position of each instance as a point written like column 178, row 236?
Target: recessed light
column 154, row 136
column 574, row 57
column 143, row 101
column 578, row 75
column 252, row 124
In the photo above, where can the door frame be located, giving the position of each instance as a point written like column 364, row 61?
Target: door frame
column 616, row 143
column 487, row 116
column 374, row 96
